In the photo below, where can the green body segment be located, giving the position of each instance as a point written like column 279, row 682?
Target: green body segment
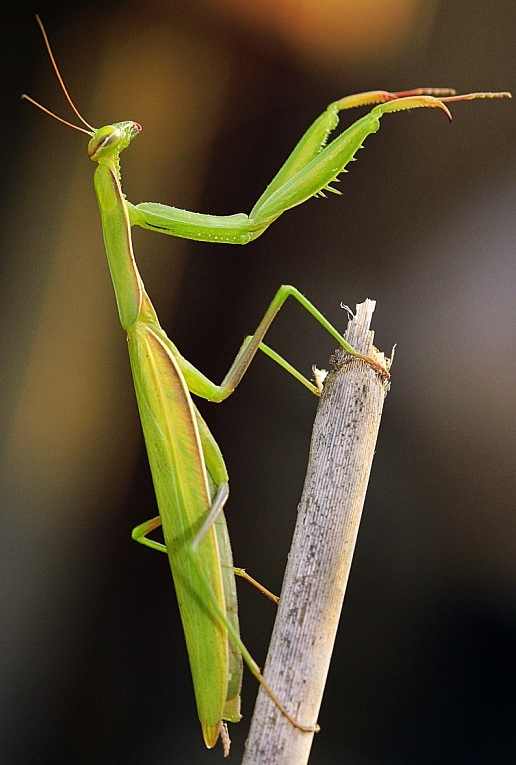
column 116, row 231
column 184, row 499
column 176, row 439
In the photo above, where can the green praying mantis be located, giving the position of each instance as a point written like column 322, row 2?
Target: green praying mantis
column 188, row 470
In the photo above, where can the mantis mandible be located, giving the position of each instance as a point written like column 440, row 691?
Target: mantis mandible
column 188, row 470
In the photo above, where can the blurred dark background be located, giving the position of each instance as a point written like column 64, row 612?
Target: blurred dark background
column 93, row 666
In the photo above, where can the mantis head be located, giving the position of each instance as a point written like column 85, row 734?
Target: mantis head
column 107, row 142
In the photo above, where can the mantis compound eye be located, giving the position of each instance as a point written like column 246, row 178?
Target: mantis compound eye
column 104, row 141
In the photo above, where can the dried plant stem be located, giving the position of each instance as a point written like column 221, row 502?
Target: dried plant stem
column 341, row 453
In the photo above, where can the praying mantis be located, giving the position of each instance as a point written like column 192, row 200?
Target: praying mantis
column 188, row 470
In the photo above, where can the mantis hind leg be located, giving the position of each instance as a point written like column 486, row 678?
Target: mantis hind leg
column 140, row 535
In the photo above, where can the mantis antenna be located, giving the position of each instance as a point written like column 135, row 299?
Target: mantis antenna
column 91, row 129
